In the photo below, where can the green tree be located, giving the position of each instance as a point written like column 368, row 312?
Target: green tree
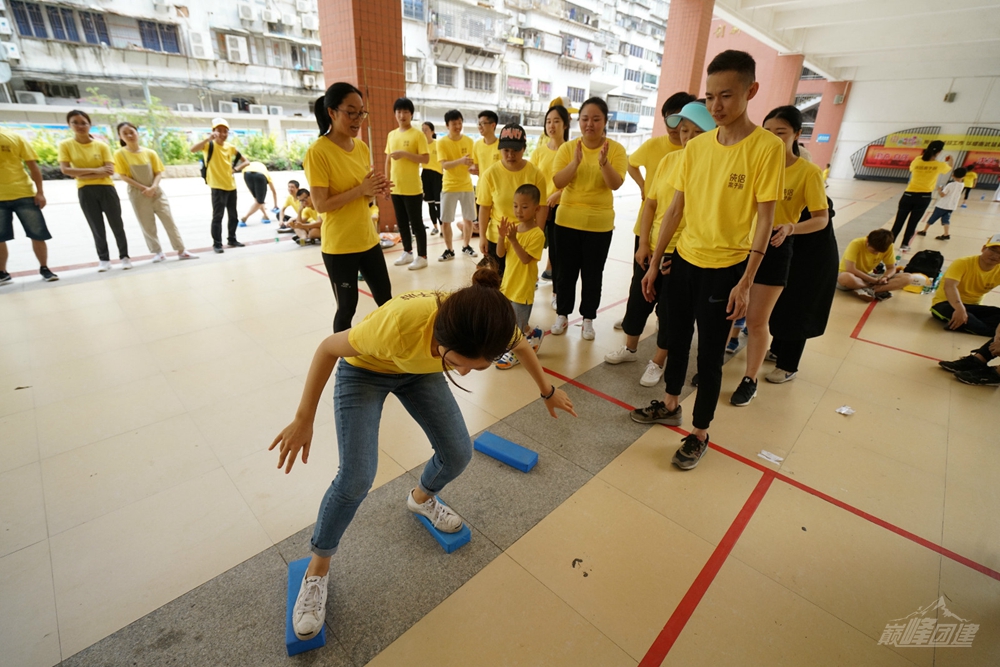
column 153, row 120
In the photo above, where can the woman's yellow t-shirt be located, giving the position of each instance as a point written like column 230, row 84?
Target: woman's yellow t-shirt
column 648, row 156
column 86, row 156
column 924, row 174
column 456, row 179
column 349, row 229
column 544, row 159
column 587, row 203
column 434, row 164
column 125, row 159
column 398, row 336
column 660, row 191
column 496, row 189
column 519, row 278
column 803, row 189
column 405, row 174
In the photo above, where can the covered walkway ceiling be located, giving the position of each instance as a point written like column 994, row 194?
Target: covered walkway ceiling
column 877, row 39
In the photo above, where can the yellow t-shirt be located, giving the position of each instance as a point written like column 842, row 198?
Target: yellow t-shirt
column 973, row 282
column 398, row 336
column 826, row 174
column 803, row 189
column 587, row 202
column 308, row 215
column 456, row 179
column 865, row 261
column 970, row 178
column 14, row 181
column 434, row 164
column 405, row 174
column 485, row 155
column 220, row 168
column 256, row 168
column 348, row 229
column 496, row 189
column 648, row 156
column 544, row 159
column 293, row 202
column 519, row 278
column 722, row 186
column 86, row 156
column 923, row 175
column 660, row 191
column 125, row 159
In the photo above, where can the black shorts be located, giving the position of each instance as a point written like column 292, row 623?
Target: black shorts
column 773, row 268
column 431, row 180
column 257, row 184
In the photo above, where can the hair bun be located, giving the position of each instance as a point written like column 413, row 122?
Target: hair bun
column 486, row 274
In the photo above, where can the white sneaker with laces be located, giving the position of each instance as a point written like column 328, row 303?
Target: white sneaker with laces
column 418, row 263
column 618, row 325
column 559, row 328
column 621, row 355
column 309, row 611
column 554, row 299
column 184, row 254
column 588, row 329
column 404, row 259
column 126, row 264
column 104, row 266
column 441, row 516
column 778, row 376
column 652, row 375
column 158, row 257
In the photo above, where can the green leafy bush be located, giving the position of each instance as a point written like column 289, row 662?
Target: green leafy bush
column 46, row 147
column 175, row 149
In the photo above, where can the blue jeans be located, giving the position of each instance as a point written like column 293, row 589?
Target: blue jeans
column 30, row 216
column 358, row 397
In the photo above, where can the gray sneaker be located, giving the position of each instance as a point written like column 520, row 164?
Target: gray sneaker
column 690, row 452
column 657, row 413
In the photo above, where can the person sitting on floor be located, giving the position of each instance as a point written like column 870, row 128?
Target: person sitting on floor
column 858, row 265
column 975, row 369
column 959, row 296
column 307, row 225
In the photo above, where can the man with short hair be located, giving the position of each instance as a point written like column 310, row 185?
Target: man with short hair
column 222, row 160
column 18, row 196
column 958, row 300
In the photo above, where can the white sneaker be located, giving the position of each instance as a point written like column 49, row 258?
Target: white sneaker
column 618, row 325
column 652, row 375
column 621, row 355
column 158, row 257
column 404, row 259
column 588, row 329
column 184, row 254
column 778, row 376
column 559, row 328
column 441, row 516
column 554, row 300
column 418, row 263
column 126, row 264
column 309, row 611
column 104, row 266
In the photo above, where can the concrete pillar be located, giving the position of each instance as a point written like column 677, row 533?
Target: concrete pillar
column 688, row 26
column 784, row 80
column 828, row 119
column 362, row 43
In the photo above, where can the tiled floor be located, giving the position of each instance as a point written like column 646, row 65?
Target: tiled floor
column 142, row 520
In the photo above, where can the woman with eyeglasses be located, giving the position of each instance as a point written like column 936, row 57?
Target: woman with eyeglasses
column 343, row 183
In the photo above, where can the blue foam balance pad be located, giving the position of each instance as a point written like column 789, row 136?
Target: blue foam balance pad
column 506, row 451
column 294, row 645
column 450, row 542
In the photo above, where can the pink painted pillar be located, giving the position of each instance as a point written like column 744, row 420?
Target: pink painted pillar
column 784, row 80
column 688, row 26
column 828, row 119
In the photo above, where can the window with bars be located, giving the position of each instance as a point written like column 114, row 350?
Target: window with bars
column 315, row 59
column 28, row 16
column 95, row 30
column 544, row 89
column 518, row 86
column 413, row 9
column 577, row 95
column 635, row 50
column 633, row 75
column 159, row 37
column 480, row 81
column 62, row 23
column 445, row 76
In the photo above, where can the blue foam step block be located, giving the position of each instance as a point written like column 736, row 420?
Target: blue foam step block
column 294, row 645
column 506, row 451
column 450, row 542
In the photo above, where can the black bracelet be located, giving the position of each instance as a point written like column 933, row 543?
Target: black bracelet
column 551, row 393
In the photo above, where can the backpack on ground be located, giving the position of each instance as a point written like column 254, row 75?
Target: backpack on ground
column 927, row 262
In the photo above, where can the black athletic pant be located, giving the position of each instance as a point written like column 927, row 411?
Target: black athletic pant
column 343, row 270
column 223, row 201
column 983, row 320
column 410, row 216
column 553, row 243
column 984, row 351
column 789, row 353
column 697, row 295
column 966, row 192
column 98, row 201
column 581, row 254
column 912, row 205
column 491, row 250
column 637, row 310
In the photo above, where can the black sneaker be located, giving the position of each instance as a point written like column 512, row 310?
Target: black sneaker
column 694, row 380
column 47, row 275
column 546, row 275
column 657, row 413
column 690, row 452
column 218, row 249
column 446, row 256
column 744, row 393
column 285, row 230
column 969, row 363
column 235, row 244
column 469, row 251
column 4, row 278
column 883, row 296
column 983, row 377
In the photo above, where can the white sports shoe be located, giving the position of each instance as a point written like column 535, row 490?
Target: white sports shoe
column 441, row 516
column 588, row 329
column 652, row 375
column 404, row 259
column 618, row 325
column 559, row 328
column 621, row 355
column 158, row 257
column 309, row 611
column 126, row 264
column 184, row 254
column 778, row 376
column 104, row 266
column 418, row 263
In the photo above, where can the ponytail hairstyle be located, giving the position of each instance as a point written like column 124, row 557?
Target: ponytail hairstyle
column 333, row 98
column 563, row 114
column 793, row 117
column 932, row 150
column 118, row 130
column 477, row 321
column 430, row 126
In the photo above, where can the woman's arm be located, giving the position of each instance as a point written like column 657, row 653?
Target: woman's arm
column 645, row 227
column 325, row 201
column 419, row 158
column 564, row 176
column 75, row 172
column 131, row 181
column 671, row 221
column 558, row 398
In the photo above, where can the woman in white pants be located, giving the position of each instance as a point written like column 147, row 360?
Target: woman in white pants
column 142, row 169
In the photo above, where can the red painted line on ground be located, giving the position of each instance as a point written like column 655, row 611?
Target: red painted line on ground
column 864, row 319
column 685, row 609
column 600, row 310
column 312, row 267
column 856, row 335
column 848, row 204
column 615, row 259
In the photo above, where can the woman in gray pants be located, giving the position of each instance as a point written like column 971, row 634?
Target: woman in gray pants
column 89, row 161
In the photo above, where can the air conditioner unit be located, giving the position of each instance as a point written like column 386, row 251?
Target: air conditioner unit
column 5, row 27
column 189, row 108
column 247, row 13
column 27, row 97
column 201, row 45
column 310, row 22
column 289, row 19
column 13, row 52
column 275, row 111
column 309, row 80
column 270, row 15
column 838, row 99
column 236, row 48
column 229, row 107
column 161, row 6
column 303, row 6
column 258, row 110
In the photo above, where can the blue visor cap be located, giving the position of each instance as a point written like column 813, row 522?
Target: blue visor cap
column 694, row 112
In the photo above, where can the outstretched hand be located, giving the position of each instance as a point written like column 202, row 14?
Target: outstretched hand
column 293, row 438
column 559, row 400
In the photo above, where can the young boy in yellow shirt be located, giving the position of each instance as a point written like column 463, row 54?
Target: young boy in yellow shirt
column 857, row 267
column 726, row 177
column 291, row 202
column 525, row 241
column 405, row 151
column 969, row 182
column 307, row 225
column 455, row 154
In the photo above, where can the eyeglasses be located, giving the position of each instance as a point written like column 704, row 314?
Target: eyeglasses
column 354, row 115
